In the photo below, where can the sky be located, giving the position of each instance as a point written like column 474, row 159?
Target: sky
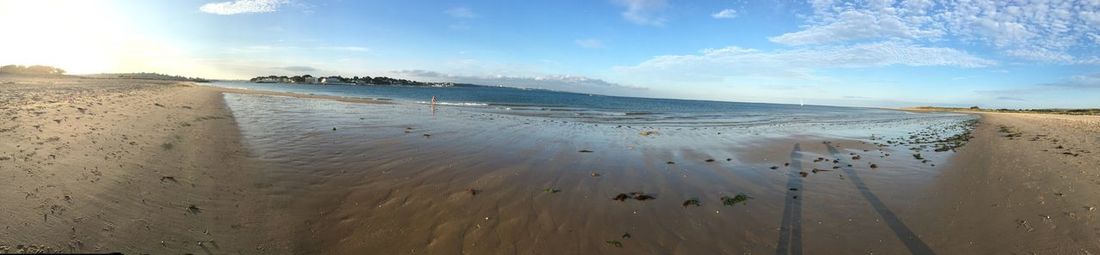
column 993, row 54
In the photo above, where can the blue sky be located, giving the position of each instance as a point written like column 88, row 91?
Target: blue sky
column 863, row 53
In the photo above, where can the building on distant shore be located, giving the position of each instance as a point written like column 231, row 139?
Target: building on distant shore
column 339, row 80
column 334, row 80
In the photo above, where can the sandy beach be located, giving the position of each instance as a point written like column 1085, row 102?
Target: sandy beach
column 132, row 166
column 1027, row 183
column 135, row 166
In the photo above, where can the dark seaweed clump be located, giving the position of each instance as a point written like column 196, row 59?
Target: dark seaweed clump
column 731, row 201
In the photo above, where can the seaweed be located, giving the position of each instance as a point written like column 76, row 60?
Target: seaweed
column 739, row 198
column 615, row 243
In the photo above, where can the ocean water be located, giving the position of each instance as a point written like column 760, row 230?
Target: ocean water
column 603, row 109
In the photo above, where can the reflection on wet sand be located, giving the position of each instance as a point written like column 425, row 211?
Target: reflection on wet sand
column 379, row 183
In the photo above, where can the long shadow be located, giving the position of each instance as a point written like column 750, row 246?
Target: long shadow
column 911, row 241
column 790, row 229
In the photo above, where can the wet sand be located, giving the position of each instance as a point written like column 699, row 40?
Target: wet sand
column 268, row 175
column 393, row 179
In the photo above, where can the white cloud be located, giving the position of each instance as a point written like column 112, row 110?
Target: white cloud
column 275, row 49
column 853, row 25
column 589, row 43
column 736, row 60
column 1091, row 80
column 1045, row 31
column 569, row 83
column 725, row 14
column 736, row 73
column 345, row 48
column 242, row 6
column 300, row 68
column 1039, row 54
column 461, row 12
column 643, row 12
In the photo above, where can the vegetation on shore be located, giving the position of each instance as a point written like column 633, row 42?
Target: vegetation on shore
column 365, row 80
column 148, row 76
column 1089, row 111
column 32, row 70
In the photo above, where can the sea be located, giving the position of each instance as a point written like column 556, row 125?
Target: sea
column 594, row 108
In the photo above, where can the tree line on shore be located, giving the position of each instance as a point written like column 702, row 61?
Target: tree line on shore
column 148, row 76
column 366, row 80
column 35, row 69
column 1084, row 111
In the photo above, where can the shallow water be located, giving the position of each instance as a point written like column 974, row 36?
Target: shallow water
column 368, row 179
column 594, row 108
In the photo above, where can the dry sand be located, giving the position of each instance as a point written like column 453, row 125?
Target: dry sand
column 1027, row 183
column 161, row 167
column 134, row 166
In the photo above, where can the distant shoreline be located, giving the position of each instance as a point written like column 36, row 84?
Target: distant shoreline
column 1085, row 111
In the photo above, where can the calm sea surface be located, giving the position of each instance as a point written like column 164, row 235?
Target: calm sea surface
column 603, row 109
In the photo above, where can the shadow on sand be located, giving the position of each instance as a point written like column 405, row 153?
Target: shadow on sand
column 907, row 237
column 790, row 230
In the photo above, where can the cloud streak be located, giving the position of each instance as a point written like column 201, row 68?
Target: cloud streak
column 242, row 7
column 1037, row 31
column 345, row 48
column 300, row 69
column 733, row 60
column 589, row 43
column 1084, row 81
column 461, row 12
column 643, row 12
column 568, row 83
column 725, row 14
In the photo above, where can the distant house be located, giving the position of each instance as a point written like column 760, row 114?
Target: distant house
column 309, row 80
column 333, row 80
